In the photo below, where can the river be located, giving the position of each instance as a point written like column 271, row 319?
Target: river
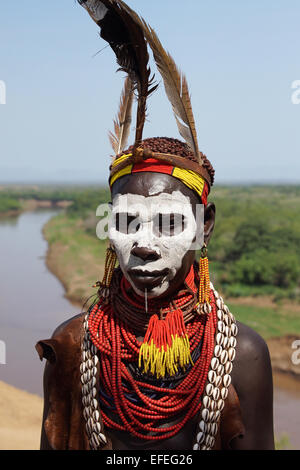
column 32, row 305
column 32, row 302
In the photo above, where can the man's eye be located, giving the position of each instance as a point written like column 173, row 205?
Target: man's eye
column 126, row 223
column 168, row 224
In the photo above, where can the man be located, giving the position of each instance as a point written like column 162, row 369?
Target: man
column 158, row 362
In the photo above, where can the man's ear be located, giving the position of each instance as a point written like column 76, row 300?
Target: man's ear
column 209, row 221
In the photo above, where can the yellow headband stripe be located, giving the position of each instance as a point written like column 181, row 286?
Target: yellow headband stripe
column 120, row 160
column 191, row 179
column 125, row 171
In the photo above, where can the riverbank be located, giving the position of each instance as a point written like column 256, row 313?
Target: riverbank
column 20, row 419
column 74, row 257
column 32, row 205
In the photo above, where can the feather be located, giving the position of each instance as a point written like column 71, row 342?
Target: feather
column 177, row 90
column 175, row 85
column 123, row 120
column 126, row 38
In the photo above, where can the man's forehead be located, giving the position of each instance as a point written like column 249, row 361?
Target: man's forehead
column 175, row 200
column 148, row 184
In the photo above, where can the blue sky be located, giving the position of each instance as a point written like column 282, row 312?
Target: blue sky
column 240, row 58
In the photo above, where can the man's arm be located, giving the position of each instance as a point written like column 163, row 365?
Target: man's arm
column 252, row 379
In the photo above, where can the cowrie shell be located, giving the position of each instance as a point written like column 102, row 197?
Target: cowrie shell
column 231, row 354
column 214, row 429
column 209, row 389
column 220, row 405
column 203, row 426
column 205, row 415
column 214, row 363
column 221, row 327
column 228, row 367
column 234, row 329
column 206, row 401
column 200, row 437
column 218, row 350
column 226, row 380
column 216, row 393
column 95, row 360
column 218, row 381
column 219, row 339
column 102, row 438
column 220, row 315
column 212, row 376
column 224, row 357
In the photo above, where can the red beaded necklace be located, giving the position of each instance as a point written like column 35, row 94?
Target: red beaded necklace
column 137, row 405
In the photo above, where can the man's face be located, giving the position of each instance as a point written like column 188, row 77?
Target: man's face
column 152, row 229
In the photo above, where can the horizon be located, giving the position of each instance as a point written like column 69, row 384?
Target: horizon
column 103, row 184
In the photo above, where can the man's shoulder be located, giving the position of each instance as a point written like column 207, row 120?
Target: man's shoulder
column 250, row 345
column 64, row 342
column 252, row 363
column 71, row 326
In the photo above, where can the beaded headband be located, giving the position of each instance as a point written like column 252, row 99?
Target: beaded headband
column 189, row 178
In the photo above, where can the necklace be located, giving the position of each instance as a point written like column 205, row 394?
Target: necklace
column 211, row 373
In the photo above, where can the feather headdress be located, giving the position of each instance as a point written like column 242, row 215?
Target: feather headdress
column 176, row 85
column 128, row 35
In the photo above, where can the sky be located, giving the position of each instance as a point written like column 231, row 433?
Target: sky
column 241, row 59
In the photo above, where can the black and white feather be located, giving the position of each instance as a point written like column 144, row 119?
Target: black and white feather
column 126, row 38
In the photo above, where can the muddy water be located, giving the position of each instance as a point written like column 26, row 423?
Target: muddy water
column 287, row 409
column 32, row 300
column 32, row 304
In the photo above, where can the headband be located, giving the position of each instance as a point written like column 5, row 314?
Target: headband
column 189, row 178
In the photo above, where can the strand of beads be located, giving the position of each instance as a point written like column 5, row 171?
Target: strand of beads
column 219, row 378
column 89, row 371
column 216, row 389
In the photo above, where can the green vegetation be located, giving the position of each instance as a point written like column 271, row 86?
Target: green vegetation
column 86, row 201
column 283, row 442
column 9, row 203
column 269, row 322
column 255, row 249
column 53, row 193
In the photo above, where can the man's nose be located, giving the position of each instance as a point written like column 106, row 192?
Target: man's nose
column 146, row 254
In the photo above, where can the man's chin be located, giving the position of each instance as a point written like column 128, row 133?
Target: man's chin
column 153, row 288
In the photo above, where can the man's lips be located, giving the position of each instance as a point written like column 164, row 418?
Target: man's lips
column 147, row 279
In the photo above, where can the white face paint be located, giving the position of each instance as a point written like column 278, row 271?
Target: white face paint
column 149, row 228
